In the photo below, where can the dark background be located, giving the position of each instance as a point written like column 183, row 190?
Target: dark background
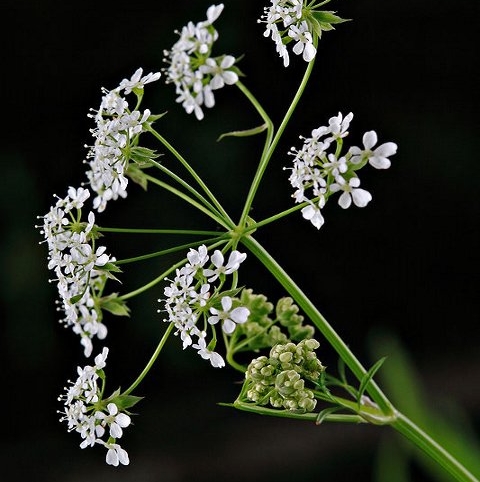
column 404, row 268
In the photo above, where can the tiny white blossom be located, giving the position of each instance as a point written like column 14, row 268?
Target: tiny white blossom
column 137, row 81
column 313, row 214
column 304, row 41
column 378, row 158
column 114, row 420
column 351, row 191
column 215, row 358
column 234, row 260
column 116, row 455
column 227, row 316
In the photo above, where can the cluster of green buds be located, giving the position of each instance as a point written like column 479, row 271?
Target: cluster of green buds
column 269, row 324
column 280, row 378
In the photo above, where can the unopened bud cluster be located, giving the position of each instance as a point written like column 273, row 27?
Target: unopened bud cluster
column 279, row 379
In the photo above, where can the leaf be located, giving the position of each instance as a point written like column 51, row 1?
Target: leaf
column 135, row 173
column 245, row 133
column 142, row 154
column 115, row 305
column 368, row 377
column 328, row 17
column 126, row 401
column 324, row 413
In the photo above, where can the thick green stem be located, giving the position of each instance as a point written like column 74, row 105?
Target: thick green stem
column 320, row 322
column 416, row 435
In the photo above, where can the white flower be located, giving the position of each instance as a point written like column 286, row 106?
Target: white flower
column 233, row 263
column 378, row 158
column 77, row 264
column 284, row 18
column 215, row 359
column 338, row 125
column 116, row 129
column 192, row 68
column 137, row 81
column 312, row 213
column 227, row 316
column 115, row 420
column 304, row 41
column 116, row 455
column 351, row 191
column 335, row 166
column 219, row 72
column 213, row 12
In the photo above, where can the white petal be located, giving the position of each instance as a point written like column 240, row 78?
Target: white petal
column 308, row 212
column 228, row 326
column 123, row 456
column 345, row 200
column 216, row 360
column 379, row 162
column 112, row 409
column 309, row 52
column 227, row 61
column 386, row 150
column 123, row 420
column 226, row 303
column 230, row 77
column 369, row 139
column 361, row 197
column 298, row 48
column 112, row 457
column 217, row 258
column 240, row 314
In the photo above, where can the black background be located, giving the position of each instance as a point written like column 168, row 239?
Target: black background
column 407, row 265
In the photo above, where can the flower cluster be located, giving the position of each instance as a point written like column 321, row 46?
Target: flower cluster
column 279, row 379
column 196, row 294
column 269, row 324
column 93, row 418
column 324, row 173
column 193, row 70
column 81, row 267
column 116, row 135
column 299, row 23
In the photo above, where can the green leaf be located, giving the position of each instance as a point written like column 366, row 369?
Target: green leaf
column 324, row 413
column 123, row 402
column 76, row 298
column 244, row 133
column 142, row 154
column 368, row 377
column 328, row 17
column 115, row 305
column 135, row 173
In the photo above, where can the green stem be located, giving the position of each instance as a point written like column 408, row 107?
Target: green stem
column 263, row 115
column 311, row 417
column 320, row 322
column 160, row 278
column 223, row 221
column 193, row 232
column 151, row 361
column 268, row 154
column 416, row 435
column 187, row 186
column 192, row 172
column 163, row 252
column 254, row 225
